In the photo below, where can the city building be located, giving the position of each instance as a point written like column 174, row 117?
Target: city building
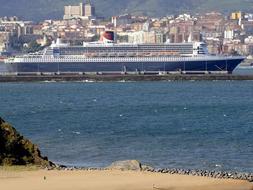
column 84, row 11
column 229, row 34
column 89, row 9
column 5, row 41
column 122, row 20
column 146, row 37
column 222, row 34
column 237, row 15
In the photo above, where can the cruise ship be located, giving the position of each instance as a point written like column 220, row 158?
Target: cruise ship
column 105, row 56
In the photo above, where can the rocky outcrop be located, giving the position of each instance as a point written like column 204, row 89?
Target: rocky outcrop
column 125, row 165
column 17, row 150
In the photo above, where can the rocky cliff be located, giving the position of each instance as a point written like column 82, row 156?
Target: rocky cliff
column 17, row 150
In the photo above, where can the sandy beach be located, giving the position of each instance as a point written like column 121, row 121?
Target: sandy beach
column 111, row 180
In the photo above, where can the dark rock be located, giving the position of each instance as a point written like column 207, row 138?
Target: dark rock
column 164, row 171
column 17, row 150
column 158, row 170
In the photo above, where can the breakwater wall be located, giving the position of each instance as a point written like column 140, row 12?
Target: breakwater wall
column 175, row 171
column 108, row 78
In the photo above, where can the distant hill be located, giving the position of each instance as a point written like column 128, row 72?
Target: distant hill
column 46, row 9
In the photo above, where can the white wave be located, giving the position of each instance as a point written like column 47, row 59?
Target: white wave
column 88, row 81
column 49, row 81
column 76, row 132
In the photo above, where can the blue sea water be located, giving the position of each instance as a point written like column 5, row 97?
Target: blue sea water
column 191, row 124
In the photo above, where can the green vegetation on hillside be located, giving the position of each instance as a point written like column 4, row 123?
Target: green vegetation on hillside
column 17, row 150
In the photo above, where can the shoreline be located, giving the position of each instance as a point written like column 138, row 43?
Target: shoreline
column 211, row 174
column 174, row 171
column 112, row 180
column 123, row 78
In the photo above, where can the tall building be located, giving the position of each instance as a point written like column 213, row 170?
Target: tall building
column 83, row 11
column 71, row 11
column 89, row 9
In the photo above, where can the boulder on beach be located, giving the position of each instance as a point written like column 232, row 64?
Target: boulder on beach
column 17, row 150
column 125, row 165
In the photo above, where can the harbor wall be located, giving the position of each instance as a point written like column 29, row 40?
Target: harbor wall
column 105, row 78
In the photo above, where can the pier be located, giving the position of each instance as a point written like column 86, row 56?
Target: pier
column 110, row 77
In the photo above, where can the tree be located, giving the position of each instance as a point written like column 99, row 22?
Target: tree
column 32, row 47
